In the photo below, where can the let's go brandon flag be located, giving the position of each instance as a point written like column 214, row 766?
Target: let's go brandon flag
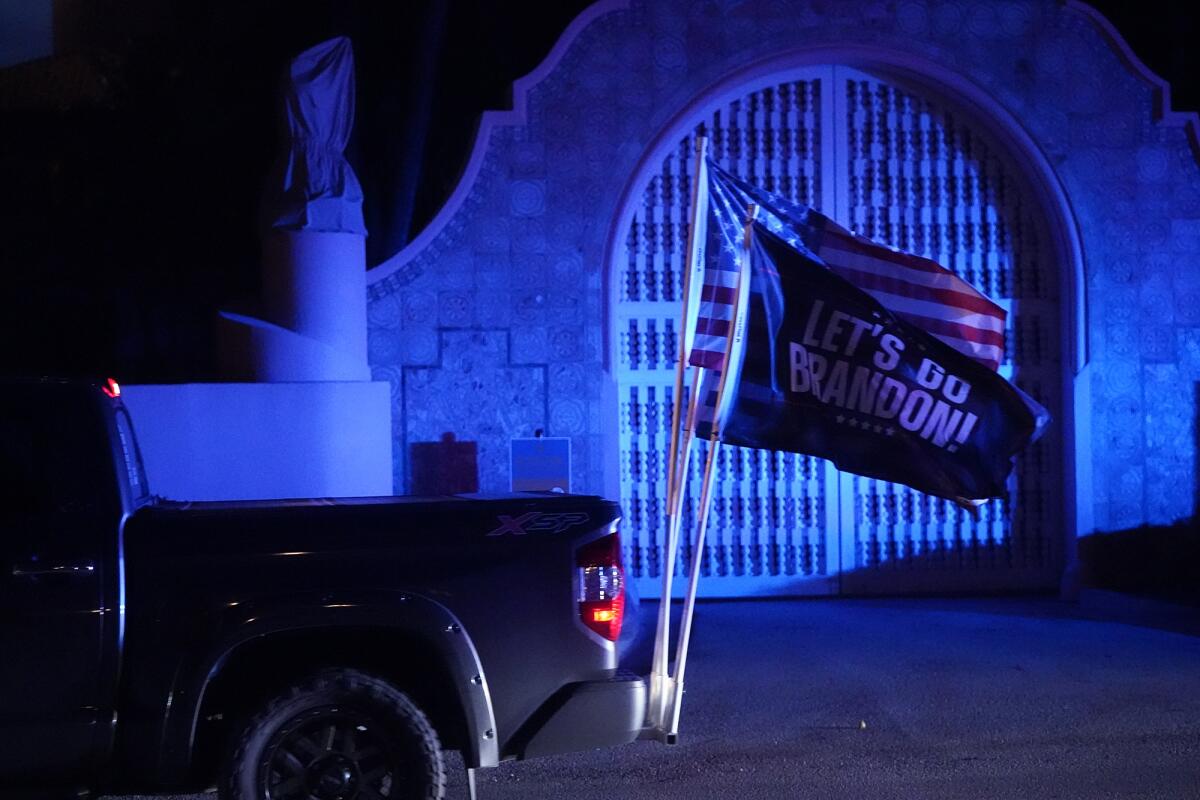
column 828, row 371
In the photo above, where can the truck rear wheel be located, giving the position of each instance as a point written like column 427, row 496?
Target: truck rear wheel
column 340, row 735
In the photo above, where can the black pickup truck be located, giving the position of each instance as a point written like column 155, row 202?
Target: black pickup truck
column 320, row 648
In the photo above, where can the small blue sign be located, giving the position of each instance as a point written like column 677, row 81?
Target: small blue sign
column 541, row 465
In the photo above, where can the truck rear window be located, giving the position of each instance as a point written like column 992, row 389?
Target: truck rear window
column 131, row 457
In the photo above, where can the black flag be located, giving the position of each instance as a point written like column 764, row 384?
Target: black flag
column 828, row 371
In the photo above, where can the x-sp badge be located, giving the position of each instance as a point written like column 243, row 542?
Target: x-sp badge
column 537, row 522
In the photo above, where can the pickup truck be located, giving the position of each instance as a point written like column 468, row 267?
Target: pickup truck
column 324, row 648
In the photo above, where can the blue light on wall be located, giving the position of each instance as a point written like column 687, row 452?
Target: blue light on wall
column 498, row 319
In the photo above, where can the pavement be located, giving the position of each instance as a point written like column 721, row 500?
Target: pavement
column 948, row 699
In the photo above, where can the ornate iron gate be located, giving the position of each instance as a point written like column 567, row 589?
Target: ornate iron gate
column 903, row 169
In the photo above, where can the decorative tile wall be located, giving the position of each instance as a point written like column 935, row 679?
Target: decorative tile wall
column 503, row 310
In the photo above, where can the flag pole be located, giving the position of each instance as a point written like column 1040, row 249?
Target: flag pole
column 714, row 447
column 660, row 688
column 660, row 712
column 695, row 255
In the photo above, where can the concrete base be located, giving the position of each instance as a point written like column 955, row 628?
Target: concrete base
column 243, row 441
column 252, row 349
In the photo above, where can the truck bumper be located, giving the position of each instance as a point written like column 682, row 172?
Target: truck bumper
column 584, row 716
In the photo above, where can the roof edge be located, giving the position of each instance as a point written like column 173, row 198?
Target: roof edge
column 490, row 121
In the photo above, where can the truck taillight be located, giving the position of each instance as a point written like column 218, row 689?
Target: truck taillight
column 602, row 586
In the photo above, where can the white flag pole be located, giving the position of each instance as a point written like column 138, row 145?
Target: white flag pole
column 728, row 364
column 693, row 283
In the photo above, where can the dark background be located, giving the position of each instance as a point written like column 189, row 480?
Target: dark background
column 133, row 160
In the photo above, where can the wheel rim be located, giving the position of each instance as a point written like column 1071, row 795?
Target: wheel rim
column 329, row 754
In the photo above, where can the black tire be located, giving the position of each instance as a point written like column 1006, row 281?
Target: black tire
column 339, row 735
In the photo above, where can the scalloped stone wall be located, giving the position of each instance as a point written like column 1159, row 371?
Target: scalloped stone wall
column 492, row 324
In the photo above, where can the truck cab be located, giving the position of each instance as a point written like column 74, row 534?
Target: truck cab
column 68, row 496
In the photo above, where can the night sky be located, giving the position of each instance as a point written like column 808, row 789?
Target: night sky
column 134, row 159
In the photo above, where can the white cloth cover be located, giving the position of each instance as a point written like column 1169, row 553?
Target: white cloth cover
column 313, row 187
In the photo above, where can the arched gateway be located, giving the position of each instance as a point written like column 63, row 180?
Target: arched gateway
column 1019, row 143
column 895, row 161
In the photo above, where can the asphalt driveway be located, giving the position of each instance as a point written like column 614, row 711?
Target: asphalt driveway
column 906, row 699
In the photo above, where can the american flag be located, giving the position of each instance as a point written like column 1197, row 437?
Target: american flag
column 917, row 289
column 722, row 287
column 723, row 221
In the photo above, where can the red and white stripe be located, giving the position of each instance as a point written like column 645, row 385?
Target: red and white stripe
column 920, row 291
column 714, row 274
column 715, row 318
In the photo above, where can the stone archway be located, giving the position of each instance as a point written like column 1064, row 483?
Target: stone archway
column 905, row 154
column 514, row 275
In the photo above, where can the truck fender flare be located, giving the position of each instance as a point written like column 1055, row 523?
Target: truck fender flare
column 401, row 611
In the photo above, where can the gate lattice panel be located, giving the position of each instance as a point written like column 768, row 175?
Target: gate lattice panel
column 917, row 177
